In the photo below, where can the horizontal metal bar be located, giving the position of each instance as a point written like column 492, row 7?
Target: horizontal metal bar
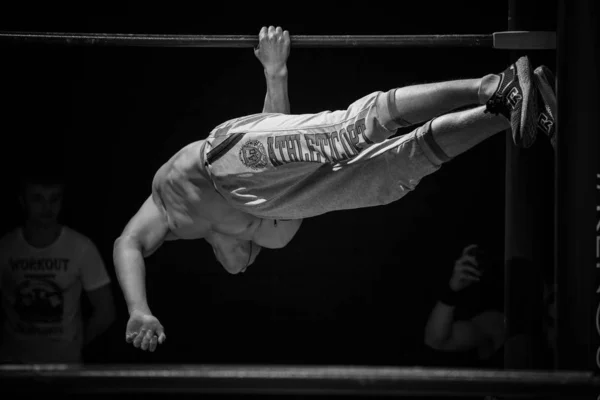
column 319, row 380
column 525, row 40
column 144, row 40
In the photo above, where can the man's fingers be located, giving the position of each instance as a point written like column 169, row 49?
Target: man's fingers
column 147, row 338
column 470, row 249
column 274, row 34
column 137, row 342
column 153, row 343
column 261, row 37
column 469, row 271
column 471, row 268
column 129, row 336
column 262, row 33
column 467, row 266
column 160, row 332
column 268, row 40
column 469, row 260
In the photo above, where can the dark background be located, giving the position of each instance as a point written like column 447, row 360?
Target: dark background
column 353, row 287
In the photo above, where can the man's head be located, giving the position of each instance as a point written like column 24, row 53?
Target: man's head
column 41, row 197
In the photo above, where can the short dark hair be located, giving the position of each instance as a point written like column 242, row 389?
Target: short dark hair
column 47, row 177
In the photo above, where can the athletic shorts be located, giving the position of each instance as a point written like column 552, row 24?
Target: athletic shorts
column 279, row 166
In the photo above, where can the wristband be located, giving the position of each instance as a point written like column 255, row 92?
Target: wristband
column 450, row 297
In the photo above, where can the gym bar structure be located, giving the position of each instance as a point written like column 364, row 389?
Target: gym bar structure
column 577, row 236
column 294, row 380
column 577, row 191
column 499, row 40
column 527, row 233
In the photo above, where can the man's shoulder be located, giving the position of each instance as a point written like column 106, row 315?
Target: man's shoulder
column 9, row 237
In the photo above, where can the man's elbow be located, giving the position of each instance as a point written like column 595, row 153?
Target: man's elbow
column 103, row 313
column 110, row 312
column 126, row 243
column 106, row 314
column 119, row 244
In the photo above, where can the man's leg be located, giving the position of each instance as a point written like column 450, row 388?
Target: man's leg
column 510, row 93
column 386, row 171
column 419, row 103
column 457, row 132
column 449, row 135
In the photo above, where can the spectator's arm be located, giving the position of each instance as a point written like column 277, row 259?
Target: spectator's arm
column 103, row 312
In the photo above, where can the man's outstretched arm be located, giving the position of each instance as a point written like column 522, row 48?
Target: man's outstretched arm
column 143, row 235
column 273, row 51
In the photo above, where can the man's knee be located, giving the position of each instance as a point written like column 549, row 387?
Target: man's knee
column 390, row 111
column 384, row 118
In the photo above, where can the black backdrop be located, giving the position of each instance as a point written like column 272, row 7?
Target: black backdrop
column 354, row 286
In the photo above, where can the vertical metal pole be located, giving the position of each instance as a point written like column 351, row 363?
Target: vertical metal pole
column 523, row 297
column 577, row 233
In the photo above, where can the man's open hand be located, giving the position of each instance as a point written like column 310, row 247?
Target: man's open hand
column 144, row 331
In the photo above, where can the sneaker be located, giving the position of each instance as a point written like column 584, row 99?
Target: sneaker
column 515, row 99
column 546, row 85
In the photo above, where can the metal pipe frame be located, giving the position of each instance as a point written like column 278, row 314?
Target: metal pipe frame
column 237, row 41
column 293, row 380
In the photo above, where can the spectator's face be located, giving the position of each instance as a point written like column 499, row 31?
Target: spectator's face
column 42, row 203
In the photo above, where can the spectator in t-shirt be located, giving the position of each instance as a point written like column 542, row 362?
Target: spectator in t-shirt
column 45, row 267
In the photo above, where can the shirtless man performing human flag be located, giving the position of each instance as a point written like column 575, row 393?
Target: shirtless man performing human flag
column 253, row 180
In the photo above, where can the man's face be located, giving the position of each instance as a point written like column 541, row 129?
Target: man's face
column 42, row 203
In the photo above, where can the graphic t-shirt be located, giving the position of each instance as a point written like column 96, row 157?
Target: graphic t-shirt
column 40, row 291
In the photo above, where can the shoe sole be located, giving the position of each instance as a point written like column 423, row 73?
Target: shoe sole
column 546, row 83
column 528, row 117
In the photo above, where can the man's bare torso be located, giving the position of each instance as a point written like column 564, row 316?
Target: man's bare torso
column 193, row 207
